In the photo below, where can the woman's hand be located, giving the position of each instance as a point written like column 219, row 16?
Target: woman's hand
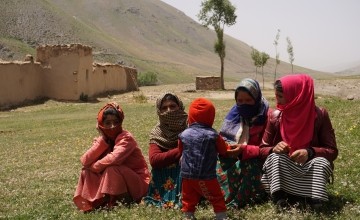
column 281, row 148
column 94, row 168
column 299, row 156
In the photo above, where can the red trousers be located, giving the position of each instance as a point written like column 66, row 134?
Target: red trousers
column 193, row 190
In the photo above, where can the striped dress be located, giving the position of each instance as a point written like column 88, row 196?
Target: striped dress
column 308, row 180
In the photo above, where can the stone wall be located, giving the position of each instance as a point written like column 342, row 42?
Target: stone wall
column 208, row 83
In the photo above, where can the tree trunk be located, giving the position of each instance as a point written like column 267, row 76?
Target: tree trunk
column 275, row 72
column 222, row 73
column 262, row 73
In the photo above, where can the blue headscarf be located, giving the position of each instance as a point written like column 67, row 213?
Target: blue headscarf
column 247, row 114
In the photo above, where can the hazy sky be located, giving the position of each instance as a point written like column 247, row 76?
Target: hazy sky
column 325, row 34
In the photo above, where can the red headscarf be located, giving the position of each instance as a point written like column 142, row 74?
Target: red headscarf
column 298, row 114
column 201, row 110
column 110, row 133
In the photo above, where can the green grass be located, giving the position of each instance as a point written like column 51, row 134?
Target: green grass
column 40, row 147
column 18, row 46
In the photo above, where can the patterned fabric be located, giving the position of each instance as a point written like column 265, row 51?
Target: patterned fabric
column 171, row 123
column 309, row 180
column 240, row 181
column 165, row 187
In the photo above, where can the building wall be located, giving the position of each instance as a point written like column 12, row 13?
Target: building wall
column 131, row 75
column 67, row 78
column 20, row 82
column 107, row 77
column 62, row 72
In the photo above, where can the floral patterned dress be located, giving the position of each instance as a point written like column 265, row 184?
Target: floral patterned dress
column 240, row 181
column 165, row 187
column 240, row 178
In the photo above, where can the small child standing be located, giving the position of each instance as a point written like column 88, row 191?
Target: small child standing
column 200, row 145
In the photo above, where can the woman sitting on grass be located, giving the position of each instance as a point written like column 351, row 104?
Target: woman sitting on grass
column 114, row 168
column 164, row 154
column 299, row 145
column 244, row 124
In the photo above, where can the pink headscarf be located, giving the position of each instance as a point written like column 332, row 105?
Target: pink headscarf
column 298, row 114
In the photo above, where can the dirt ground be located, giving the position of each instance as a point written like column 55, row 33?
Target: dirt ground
column 342, row 88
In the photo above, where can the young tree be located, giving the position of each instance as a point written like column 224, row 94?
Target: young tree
column 290, row 51
column 218, row 13
column 256, row 57
column 277, row 61
column 263, row 60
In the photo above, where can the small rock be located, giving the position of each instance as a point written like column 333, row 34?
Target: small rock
column 350, row 97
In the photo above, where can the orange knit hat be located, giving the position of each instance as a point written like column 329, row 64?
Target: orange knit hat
column 201, row 110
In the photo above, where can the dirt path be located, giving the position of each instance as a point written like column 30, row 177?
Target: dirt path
column 343, row 88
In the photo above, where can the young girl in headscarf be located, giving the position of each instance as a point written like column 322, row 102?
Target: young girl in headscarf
column 164, row 155
column 114, row 169
column 299, row 145
column 244, row 124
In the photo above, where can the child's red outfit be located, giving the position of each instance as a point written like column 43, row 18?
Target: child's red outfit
column 200, row 145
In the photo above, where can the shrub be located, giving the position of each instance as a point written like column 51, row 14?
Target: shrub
column 140, row 98
column 147, row 79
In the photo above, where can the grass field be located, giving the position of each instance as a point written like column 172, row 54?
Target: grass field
column 40, row 147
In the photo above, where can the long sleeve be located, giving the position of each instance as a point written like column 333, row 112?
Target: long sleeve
column 249, row 152
column 180, row 146
column 271, row 135
column 160, row 158
column 124, row 146
column 324, row 142
column 98, row 147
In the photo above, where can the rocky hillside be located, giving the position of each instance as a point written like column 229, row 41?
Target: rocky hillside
column 150, row 35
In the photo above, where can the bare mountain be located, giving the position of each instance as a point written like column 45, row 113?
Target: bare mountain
column 355, row 70
column 150, row 35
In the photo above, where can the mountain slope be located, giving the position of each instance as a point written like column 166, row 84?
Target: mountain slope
column 354, row 70
column 150, row 35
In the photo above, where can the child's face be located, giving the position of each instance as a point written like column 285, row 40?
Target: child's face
column 169, row 105
column 111, row 121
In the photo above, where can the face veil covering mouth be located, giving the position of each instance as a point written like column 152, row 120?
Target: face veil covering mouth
column 110, row 133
